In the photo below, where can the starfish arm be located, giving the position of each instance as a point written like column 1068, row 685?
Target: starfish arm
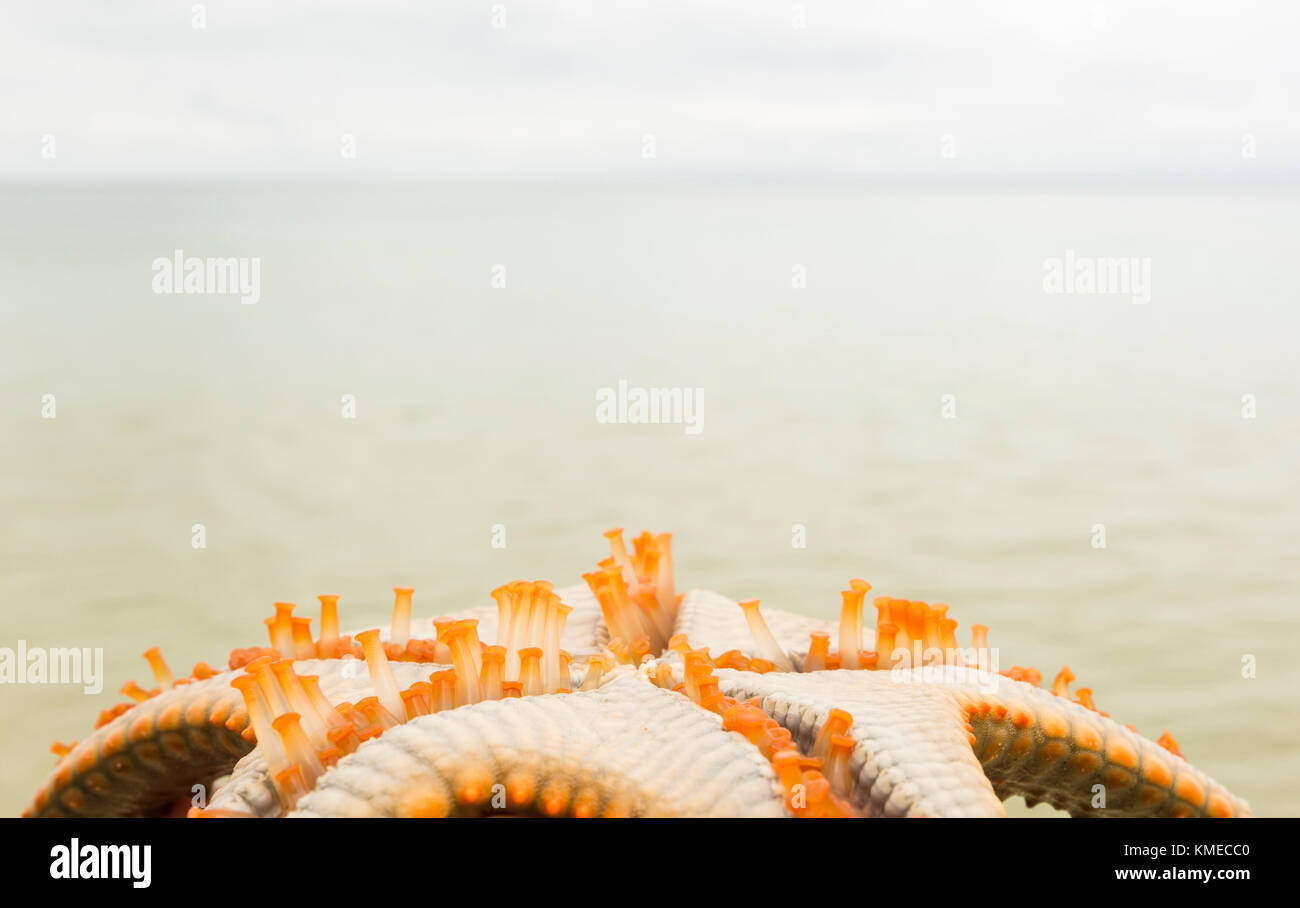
column 159, row 749
column 149, row 755
column 249, row 790
column 920, row 733
column 1049, row 749
column 911, row 755
column 627, row 748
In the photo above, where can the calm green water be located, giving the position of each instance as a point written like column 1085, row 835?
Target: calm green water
column 475, row 407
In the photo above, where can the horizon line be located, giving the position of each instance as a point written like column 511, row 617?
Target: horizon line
column 990, row 180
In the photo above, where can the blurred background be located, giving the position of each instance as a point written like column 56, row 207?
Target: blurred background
column 832, row 219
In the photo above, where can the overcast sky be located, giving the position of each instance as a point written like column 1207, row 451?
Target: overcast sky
column 1039, row 89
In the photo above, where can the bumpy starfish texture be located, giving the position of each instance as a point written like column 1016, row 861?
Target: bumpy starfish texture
column 605, row 700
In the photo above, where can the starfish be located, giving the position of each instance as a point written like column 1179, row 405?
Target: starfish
column 603, row 699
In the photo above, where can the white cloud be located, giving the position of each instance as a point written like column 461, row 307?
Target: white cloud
column 570, row 88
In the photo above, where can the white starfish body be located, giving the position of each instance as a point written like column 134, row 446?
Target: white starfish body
column 940, row 740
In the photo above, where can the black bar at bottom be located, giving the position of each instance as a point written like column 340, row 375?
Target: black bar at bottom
column 649, row 856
